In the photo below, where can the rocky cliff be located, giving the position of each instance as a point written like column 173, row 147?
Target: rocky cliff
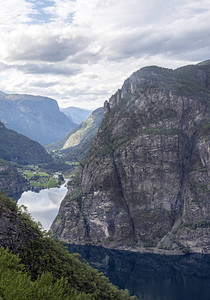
column 144, row 185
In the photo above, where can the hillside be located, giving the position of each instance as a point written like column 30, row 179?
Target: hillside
column 18, row 148
column 47, row 270
column 11, row 181
column 77, row 142
column 36, row 117
column 144, row 185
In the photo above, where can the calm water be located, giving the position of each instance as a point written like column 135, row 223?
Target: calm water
column 43, row 206
column 150, row 276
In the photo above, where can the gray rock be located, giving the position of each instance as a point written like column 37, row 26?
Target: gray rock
column 144, row 186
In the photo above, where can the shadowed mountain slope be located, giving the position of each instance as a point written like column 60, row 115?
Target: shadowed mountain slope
column 20, row 149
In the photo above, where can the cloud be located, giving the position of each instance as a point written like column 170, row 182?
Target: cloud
column 42, row 44
column 52, row 69
column 41, row 84
column 12, row 14
column 88, row 48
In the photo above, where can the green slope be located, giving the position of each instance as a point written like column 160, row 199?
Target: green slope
column 50, row 271
column 20, row 149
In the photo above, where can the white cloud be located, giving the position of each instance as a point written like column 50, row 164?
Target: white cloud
column 13, row 13
column 81, row 51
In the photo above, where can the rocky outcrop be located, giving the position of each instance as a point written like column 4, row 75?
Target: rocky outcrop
column 144, row 186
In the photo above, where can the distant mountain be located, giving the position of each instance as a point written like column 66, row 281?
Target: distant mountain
column 18, row 148
column 77, row 142
column 39, row 118
column 76, row 114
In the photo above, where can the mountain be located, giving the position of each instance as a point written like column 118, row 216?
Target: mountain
column 144, row 185
column 47, row 270
column 76, row 114
column 77, row 142
column 39, row 118
column 11, row 181
column 20, row 149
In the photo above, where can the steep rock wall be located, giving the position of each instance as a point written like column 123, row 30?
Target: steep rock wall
column 144, row 185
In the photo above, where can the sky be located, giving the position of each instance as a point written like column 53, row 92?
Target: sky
column 80, row 52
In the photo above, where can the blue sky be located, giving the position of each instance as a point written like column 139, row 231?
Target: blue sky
column 80, row 52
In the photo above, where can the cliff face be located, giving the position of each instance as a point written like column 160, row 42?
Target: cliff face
column 144, row 185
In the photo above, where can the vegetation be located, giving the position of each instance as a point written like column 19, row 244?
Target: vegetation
column 56, row 167
column 188, row 83
column 20, row 149
column 49, row 271
column 205, row 128
column 39, row 179
column 11, row 180
column 16, row 282
column 195, row 225
column 198, row 190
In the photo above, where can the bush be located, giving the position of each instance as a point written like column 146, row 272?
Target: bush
column 49, row 271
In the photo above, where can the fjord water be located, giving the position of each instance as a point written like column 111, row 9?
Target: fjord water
column 44, row 205
column 150, row 276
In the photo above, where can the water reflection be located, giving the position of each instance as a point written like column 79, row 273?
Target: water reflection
column 152, row 277
column 43, row 206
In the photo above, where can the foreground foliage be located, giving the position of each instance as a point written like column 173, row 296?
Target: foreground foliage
column 16, row 283
column 47, row 270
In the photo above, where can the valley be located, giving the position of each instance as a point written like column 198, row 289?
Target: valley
column 104, row 150
column 138, row 181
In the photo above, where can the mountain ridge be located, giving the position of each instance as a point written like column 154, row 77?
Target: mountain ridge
column 76, row 114
column 36, row 117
